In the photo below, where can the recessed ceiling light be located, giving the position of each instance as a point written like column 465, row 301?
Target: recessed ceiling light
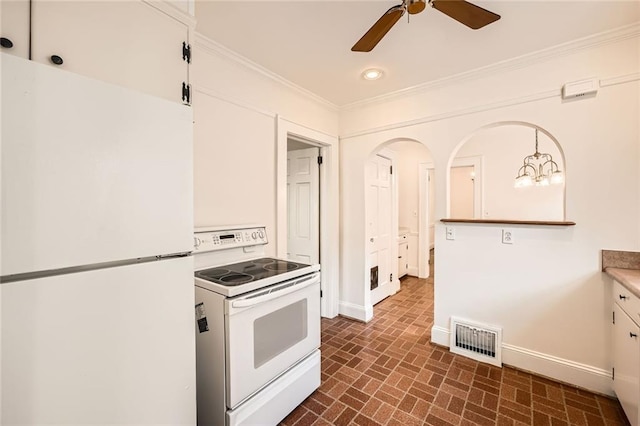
column 372, row 74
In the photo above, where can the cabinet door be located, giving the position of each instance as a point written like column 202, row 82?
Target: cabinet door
column 128, row 43
column 403, row 259
column 14, row 21
column 626, row 361
column 400, row 260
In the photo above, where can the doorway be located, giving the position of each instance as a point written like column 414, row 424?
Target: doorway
column 426, row 237
column 329, row 190
column 465, row 183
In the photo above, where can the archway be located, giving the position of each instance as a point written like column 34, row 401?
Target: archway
column 500, row 149
column 411, row 219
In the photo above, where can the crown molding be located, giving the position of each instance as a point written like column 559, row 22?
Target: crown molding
column 215, row 48
column 533, row 97
column 564, row 49
column 457, row 113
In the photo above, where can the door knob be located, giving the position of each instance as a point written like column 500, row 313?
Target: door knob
column 56, row 59
column 6, row 43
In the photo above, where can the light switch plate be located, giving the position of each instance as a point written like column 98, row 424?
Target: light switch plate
column 450, row 232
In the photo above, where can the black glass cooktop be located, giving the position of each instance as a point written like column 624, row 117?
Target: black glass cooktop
column 245, row 272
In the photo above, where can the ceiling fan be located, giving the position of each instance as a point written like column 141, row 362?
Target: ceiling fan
column 462, row 11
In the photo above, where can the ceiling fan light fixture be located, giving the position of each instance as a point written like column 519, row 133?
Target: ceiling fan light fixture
column 372, row 74
column 416, row 6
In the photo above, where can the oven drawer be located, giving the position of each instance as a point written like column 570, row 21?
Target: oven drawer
column 269, row 331
column 274, row 402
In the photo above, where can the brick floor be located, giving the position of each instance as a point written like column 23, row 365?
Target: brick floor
column 387, row 372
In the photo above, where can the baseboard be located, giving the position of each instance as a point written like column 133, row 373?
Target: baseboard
column 563, row 370
column 357, row 312
column 440, row 336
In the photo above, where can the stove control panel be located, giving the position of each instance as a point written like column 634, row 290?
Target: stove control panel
column 210, row 240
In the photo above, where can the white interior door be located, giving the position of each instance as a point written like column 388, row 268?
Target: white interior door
column 379, row 204
column 462, row 192
column 303, row 199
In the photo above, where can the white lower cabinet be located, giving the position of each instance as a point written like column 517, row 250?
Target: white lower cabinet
column 403, row 255
column 626, row 352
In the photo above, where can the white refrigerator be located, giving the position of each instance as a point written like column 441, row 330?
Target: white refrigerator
column 96, row 286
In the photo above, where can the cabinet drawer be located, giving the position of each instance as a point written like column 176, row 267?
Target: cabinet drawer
column 627, row 301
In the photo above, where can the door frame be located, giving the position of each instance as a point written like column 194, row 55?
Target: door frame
column 329, row 205
column 478, row 200
column 424, row 269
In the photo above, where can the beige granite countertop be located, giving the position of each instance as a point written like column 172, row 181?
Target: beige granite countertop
column 624, row 267
column 629, row 278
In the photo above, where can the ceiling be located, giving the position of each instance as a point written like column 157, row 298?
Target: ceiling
column 309, row 42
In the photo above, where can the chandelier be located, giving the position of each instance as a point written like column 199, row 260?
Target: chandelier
column 538, row 169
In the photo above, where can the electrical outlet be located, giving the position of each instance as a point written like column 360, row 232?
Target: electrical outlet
column 507, row 236
column 451, row 232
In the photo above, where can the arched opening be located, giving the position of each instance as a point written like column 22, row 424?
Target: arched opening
column 399, row 215
column 481, row 183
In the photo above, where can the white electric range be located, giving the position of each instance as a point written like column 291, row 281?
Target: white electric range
column 258, row 329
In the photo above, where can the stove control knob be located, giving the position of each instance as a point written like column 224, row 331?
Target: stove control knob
column 261, row 234
column 254, row 235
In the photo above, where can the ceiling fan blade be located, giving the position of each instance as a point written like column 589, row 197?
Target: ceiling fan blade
column 379, row 29
column 466, row 13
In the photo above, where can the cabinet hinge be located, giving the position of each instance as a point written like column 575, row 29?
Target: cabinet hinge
column 320, row 292
column 390, row 170
column 319, row 159
column 186, row 52
column 390, row 277
column 614, row 316
column 613, row 373
column 186, row 93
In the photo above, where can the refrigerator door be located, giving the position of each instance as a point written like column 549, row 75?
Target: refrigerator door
column 109, row 346
column 91, row 172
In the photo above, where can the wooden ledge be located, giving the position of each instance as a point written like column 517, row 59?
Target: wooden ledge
column 511, row 222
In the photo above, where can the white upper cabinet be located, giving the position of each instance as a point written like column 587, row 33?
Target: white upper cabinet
column 129, row 43
column 14, row 25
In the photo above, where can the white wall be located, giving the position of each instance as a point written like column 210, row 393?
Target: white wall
column 236, row 106
column 546, row 290
column 409, row 155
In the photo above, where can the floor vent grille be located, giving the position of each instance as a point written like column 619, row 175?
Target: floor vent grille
column 477, row 341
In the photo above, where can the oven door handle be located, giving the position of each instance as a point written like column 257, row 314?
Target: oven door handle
column 277, row 292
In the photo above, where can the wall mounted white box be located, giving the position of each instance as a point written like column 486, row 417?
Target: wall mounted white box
column 580, row 88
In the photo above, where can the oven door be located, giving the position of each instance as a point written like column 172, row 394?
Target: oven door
column 267, row 332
